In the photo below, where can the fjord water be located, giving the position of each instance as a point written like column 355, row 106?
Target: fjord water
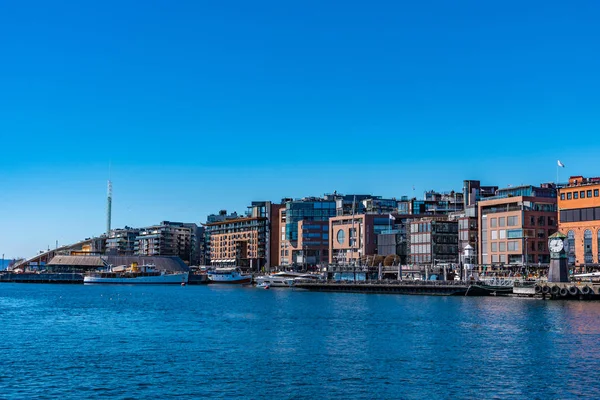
column 73, row 342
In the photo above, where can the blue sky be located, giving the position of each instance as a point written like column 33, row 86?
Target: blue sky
column 200, row 106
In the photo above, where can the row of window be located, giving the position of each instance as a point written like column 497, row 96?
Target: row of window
column 580, row 214
column 503, row 221
column 513, row 245
column 582, row 194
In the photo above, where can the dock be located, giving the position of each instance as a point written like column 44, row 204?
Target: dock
column 567, row 290
column 432, row 288
column 32, row 277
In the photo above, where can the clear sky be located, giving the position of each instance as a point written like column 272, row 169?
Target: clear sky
column 208, row 105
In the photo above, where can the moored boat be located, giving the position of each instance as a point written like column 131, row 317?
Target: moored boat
column 231, row 275
column 286, row 278
column 133, row 275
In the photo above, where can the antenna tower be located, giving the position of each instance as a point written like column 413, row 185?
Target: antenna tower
column 108, row 207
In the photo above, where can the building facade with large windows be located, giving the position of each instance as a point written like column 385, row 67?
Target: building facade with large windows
column 303, row 231
column 352, row 237
column 579, row 219
column 433, row 240
column 515, row 224
column 168, row 239
column 246, row 241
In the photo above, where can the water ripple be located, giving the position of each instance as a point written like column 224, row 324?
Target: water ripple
column 75, row 342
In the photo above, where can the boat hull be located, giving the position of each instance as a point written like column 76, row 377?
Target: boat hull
column 165, row 279
column 274, row 281
column 237, row 280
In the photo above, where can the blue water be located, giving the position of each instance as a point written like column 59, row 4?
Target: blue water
column 74, row 342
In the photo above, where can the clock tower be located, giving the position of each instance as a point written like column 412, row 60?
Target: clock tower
column 558, row 246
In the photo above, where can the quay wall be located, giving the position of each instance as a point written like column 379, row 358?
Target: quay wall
column 41, row 278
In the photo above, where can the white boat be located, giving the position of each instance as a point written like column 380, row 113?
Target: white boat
column 280, row 279
column 134, row 275
column 286, row 279
column 228, row 275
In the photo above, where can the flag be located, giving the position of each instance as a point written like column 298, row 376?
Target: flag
column 561, row 164
column 392, row 217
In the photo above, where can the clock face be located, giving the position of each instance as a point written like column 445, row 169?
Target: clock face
column 555, row 245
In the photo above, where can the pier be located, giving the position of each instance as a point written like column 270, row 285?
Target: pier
column 567, row 290
column 32, row 277
column 432, row 288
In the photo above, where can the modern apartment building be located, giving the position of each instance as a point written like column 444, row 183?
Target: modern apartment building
column 433, row 203
column 515, row 224
column 579, row 219
column 221, row 216
column 168, row 239
column 378, row 205
column 122, row 241
column 473, row 192
column 433, row 240
column 239, row 242
column 304, row 235
column 353, row 237
column 244, row 241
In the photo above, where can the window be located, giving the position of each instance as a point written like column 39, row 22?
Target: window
column 541, row 246
column 493, row 222
column 562, row 196
column 495, row 258
column 502, row 246
column 514, row 233
column 575, row 196
column 551, row 221
column 541, row 221
column 587, row 214
column 569, row 196
column 341, row 236
column 502, row 221
column 582, row 194
column 494, row 235
column 532, row 220
column 503, row 234
column 513, row 245
column 571, row 246
column 596, row 193
column 512, row 221
column 502, row 258
column 589, row 194
column 598, row 247
column 494, row 246
column 587, row 247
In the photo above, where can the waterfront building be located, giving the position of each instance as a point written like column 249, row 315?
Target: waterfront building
column 396, row 241
column 246, row 241
column 352, row 238
column 221, row 216
column 432, row 240
column 168, row 239
column 433, row 203
column 304, row 231
column 349, row 204
column 579, row 219
column 378, row 205
column 122, row 241
column 515, row 224
column 473, row 192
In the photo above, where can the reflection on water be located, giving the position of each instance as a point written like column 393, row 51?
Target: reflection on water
column 228, row 342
